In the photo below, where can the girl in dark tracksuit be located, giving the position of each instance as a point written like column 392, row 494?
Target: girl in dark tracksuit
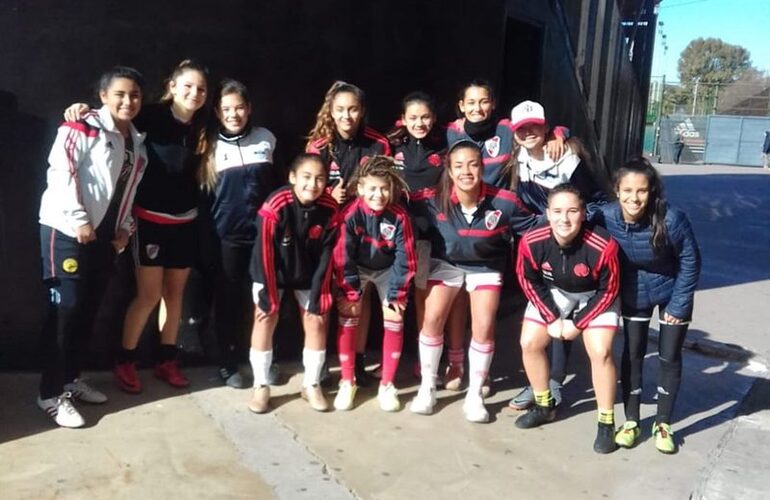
column 375, row 245
column 660, row 264
column 473, row 226
column 165, row 242
column 478, row 123
column 243, row 177
column 296, row 232
column 419, row 149
column 344, row 142
column 569, row 273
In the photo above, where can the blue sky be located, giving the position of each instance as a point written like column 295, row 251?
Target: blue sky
column 738, row 22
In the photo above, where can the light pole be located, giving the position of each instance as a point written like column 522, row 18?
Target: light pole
column 695, row 95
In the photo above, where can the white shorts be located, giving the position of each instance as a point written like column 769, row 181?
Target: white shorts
column 302, row 296
column 445, row 274
column 380, row 279
column 572, row 302
column 422, row 249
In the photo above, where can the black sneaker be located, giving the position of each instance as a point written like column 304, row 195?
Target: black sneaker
column 536, row 416
column 232, row 378
column 605, row 439
column 363, row 379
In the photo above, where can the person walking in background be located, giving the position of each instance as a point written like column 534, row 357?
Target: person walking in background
column 678, row 147
column 766, row 150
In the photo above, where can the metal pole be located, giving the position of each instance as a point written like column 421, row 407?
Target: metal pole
column 695, row 96
column 656, row 143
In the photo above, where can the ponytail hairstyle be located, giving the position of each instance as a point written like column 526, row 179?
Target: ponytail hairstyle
column 655, row 212
column 476, row 82
column 445, row 184
column 382, row 167
column 204, row 145
column 324, row 123
column 399, row 134
column 208, row 174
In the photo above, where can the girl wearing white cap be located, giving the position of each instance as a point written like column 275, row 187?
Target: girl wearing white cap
column 533, row 173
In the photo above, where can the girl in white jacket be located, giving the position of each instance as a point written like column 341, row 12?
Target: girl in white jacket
column 95, row 165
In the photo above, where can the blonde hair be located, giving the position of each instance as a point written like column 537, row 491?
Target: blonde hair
column 382, row 167
column 204, row 146
column 324, row 123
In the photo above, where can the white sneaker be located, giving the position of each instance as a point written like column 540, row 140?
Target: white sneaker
column 84, row 392
column 387, row 396
column 474, row 409
column 61, row 410
column 424, row 401
column 346, row 394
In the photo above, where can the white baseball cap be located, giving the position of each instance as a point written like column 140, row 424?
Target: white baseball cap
column 527, row 113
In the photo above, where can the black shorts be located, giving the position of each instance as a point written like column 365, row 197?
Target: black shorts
column 64, row 258
column 165, row 245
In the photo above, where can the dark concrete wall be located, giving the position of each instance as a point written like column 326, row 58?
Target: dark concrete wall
column 288, row 53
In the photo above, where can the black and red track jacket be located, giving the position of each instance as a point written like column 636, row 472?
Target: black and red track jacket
column 345, row 155
column 590, row 263
column 293, row 249
column 420, row 163
column 484, row 244
column 376, row 241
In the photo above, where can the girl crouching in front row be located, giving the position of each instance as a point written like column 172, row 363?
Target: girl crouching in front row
column 296, row 232
column 375, row 245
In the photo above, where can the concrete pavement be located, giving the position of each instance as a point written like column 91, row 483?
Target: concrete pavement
column 203, row 443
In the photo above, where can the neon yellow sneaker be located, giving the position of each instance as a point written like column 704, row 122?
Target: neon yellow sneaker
column 664, row 438
column 627, row 435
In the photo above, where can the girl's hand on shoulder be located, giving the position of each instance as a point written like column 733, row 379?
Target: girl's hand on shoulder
column 555, row 328
column 672, row 319
column 555, row 148
column 76, row 111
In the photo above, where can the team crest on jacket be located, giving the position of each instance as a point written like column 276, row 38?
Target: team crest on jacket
column 333, row 167
column 491, row 218
column 398, row 159
column 492, row 146
column 434, row 159
column 581, row 270
column 387, row 230
column 152, row 251
column 314, row 232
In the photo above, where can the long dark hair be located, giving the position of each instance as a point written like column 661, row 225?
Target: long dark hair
column 444, row 188
column 655, row 212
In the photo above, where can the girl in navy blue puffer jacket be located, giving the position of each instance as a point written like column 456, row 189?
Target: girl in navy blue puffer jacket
column 660, row 264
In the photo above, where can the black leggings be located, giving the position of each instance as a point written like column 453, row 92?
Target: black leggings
column 233, row 304
column 671, row 339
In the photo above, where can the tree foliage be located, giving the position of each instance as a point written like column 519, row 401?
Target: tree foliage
column 712, row 60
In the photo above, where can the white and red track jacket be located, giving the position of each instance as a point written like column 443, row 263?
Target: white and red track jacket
column 83, row 169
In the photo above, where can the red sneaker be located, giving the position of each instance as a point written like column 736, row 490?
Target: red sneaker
column 169, row 371
column 127, row 378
